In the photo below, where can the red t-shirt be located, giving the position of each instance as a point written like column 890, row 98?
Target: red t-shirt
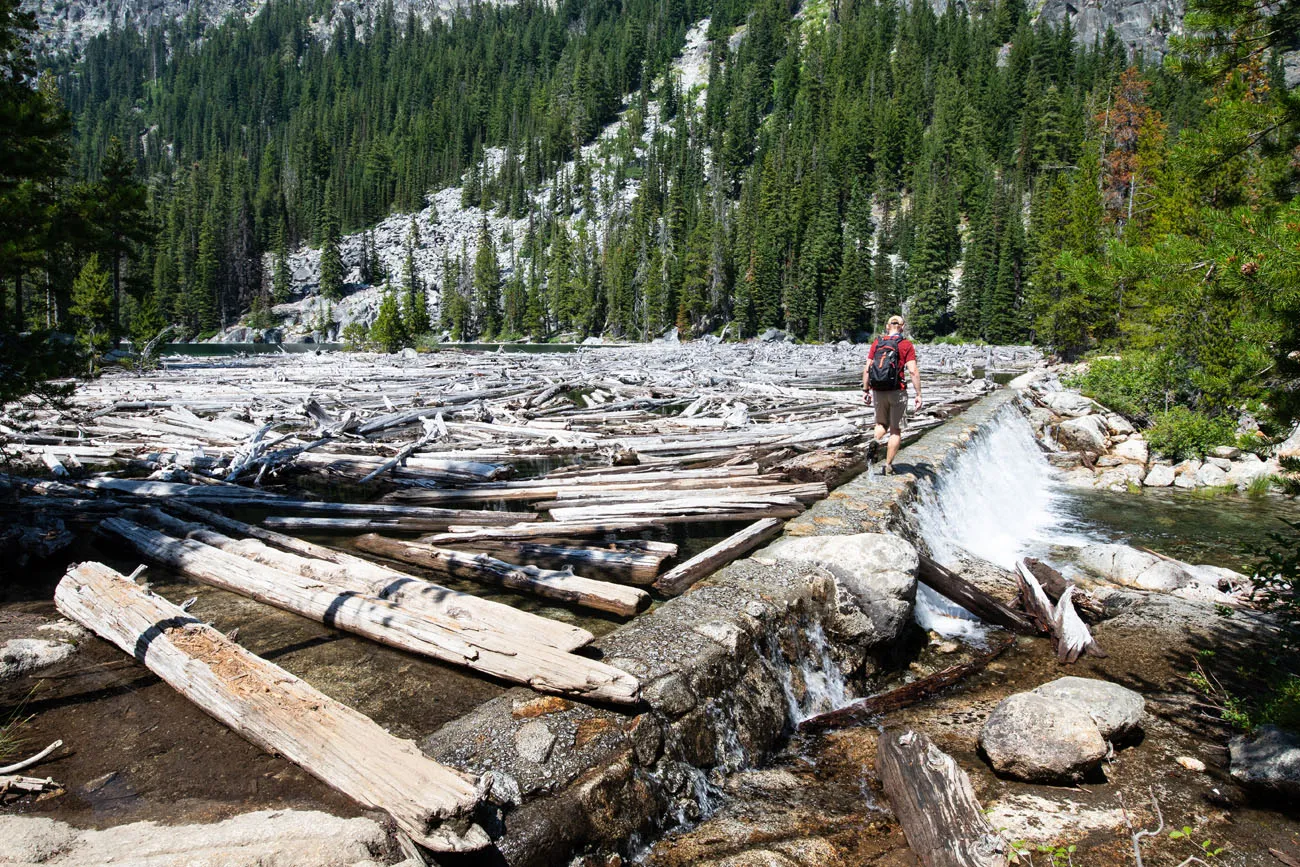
column 906, row 353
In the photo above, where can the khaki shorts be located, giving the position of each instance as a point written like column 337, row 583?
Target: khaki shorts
column 891, row 408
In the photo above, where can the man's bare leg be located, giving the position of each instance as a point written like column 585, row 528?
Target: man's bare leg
column 895, row 440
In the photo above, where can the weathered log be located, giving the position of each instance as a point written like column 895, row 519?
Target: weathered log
column 276, row 710
column 628, row 566
column 560, row 586
column 512, row 658
column 680, row 578
column 356, row 575
column 866, row 709
column 973, row 599
column 1054, row 584
column 546, row 530
column 1070, row 634
column 688, row 510
column 934, row 802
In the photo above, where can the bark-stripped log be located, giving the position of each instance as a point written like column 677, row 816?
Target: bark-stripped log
column 278, row 711
column 680, row 578
column 933, row 800
column 357, row 575
column 512, row 658
column 549, row 584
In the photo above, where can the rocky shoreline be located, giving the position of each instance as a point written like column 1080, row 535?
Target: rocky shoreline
column 1096, row 447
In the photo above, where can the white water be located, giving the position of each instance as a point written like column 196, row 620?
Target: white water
column 999, row 500
column 824, row 686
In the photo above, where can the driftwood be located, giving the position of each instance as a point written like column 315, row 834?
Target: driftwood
column 973, row 599
column 32, row 760
column 276, row 710
column 560, row 586
column 509, row 657
column 350, row 574
column 1070, row 634
column 616, row 563
column 680, row 578
column 866, row 709
column 1054, row 584
column 20, row 785
column 933, row 800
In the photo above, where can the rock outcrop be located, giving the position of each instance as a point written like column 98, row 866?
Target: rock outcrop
column 1268, row 760
column 875, row 578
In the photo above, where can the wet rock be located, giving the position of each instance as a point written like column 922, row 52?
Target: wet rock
column 999, row 583
column 1135, row 450
column 1120, row 478
column 1040, row 739
column 1211, row 476
column 284, row 838
column 1086, row 434
column 1160, row 476
column 1268, row 760
column 1069, row 403
column 20, row 656
column 534, row 741
column 875, row 576
column 1116, row 710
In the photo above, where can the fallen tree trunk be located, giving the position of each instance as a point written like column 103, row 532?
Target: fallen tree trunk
column 866, row 709
column 627, row 566
column 463, row 534
column 511, row 658
column 680, row 578
column 357, row 575
column 933, row 800
column 973, row 599
column 560, row 586
column 278, row 711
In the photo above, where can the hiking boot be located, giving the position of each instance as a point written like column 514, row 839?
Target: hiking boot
column 886, row 469
column 873, row 449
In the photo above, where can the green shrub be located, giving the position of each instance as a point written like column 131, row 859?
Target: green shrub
column 355, row 336
column 1137, row 384
column 1181, row 433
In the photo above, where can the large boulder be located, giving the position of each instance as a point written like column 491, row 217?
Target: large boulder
column 1268, row 760
column 1041, row 739
column 1211, row 476
column 1116, row 562
column 1165, row 576
column 1249, row 468
column 1134, row 450
column 1120, row 478
column 1041, row 418
column 284, row 838
column 1068, row 403
column 1085, row 434
column 875, row 577
column 1116, row 710
column 1185, row 473
column 1119, row 426
column 1160, row 476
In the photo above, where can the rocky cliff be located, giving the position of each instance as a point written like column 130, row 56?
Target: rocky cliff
column 1141, row 25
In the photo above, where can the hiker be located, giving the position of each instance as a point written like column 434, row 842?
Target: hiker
column 884, row 383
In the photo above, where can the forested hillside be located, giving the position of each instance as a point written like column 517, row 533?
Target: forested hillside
column 986, row 173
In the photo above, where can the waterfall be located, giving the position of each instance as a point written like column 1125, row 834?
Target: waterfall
column 999, row 500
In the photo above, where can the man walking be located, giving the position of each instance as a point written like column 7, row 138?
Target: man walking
column 890, row 360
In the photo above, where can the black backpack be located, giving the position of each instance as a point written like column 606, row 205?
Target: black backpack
column 886, row 370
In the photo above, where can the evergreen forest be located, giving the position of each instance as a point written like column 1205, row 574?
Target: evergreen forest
column 987, row 174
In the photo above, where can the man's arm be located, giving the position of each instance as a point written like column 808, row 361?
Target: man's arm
column 916, row 381
column 866, row 369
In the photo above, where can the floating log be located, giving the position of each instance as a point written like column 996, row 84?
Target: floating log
column 688, row 510
column 867, row 709
column 560, row 586
column 934, row 802
column 356, row 575
column 512, row 658
column 1069, row 633
column 973, row 599
column 546, row 530
column 278, row 711
column 680, row 578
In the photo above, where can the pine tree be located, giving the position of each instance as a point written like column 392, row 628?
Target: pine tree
column 92, row 306
column 487, row 285
column 331, row 259
column 415, row 301
column 928, row 275
column 122, row 215
column 388, row 331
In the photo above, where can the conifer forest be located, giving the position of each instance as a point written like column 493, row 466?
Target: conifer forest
column 991, row 175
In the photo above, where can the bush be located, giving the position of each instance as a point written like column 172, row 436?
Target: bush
column 355, row 336
column 1182, row 433
column 1137, row 384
